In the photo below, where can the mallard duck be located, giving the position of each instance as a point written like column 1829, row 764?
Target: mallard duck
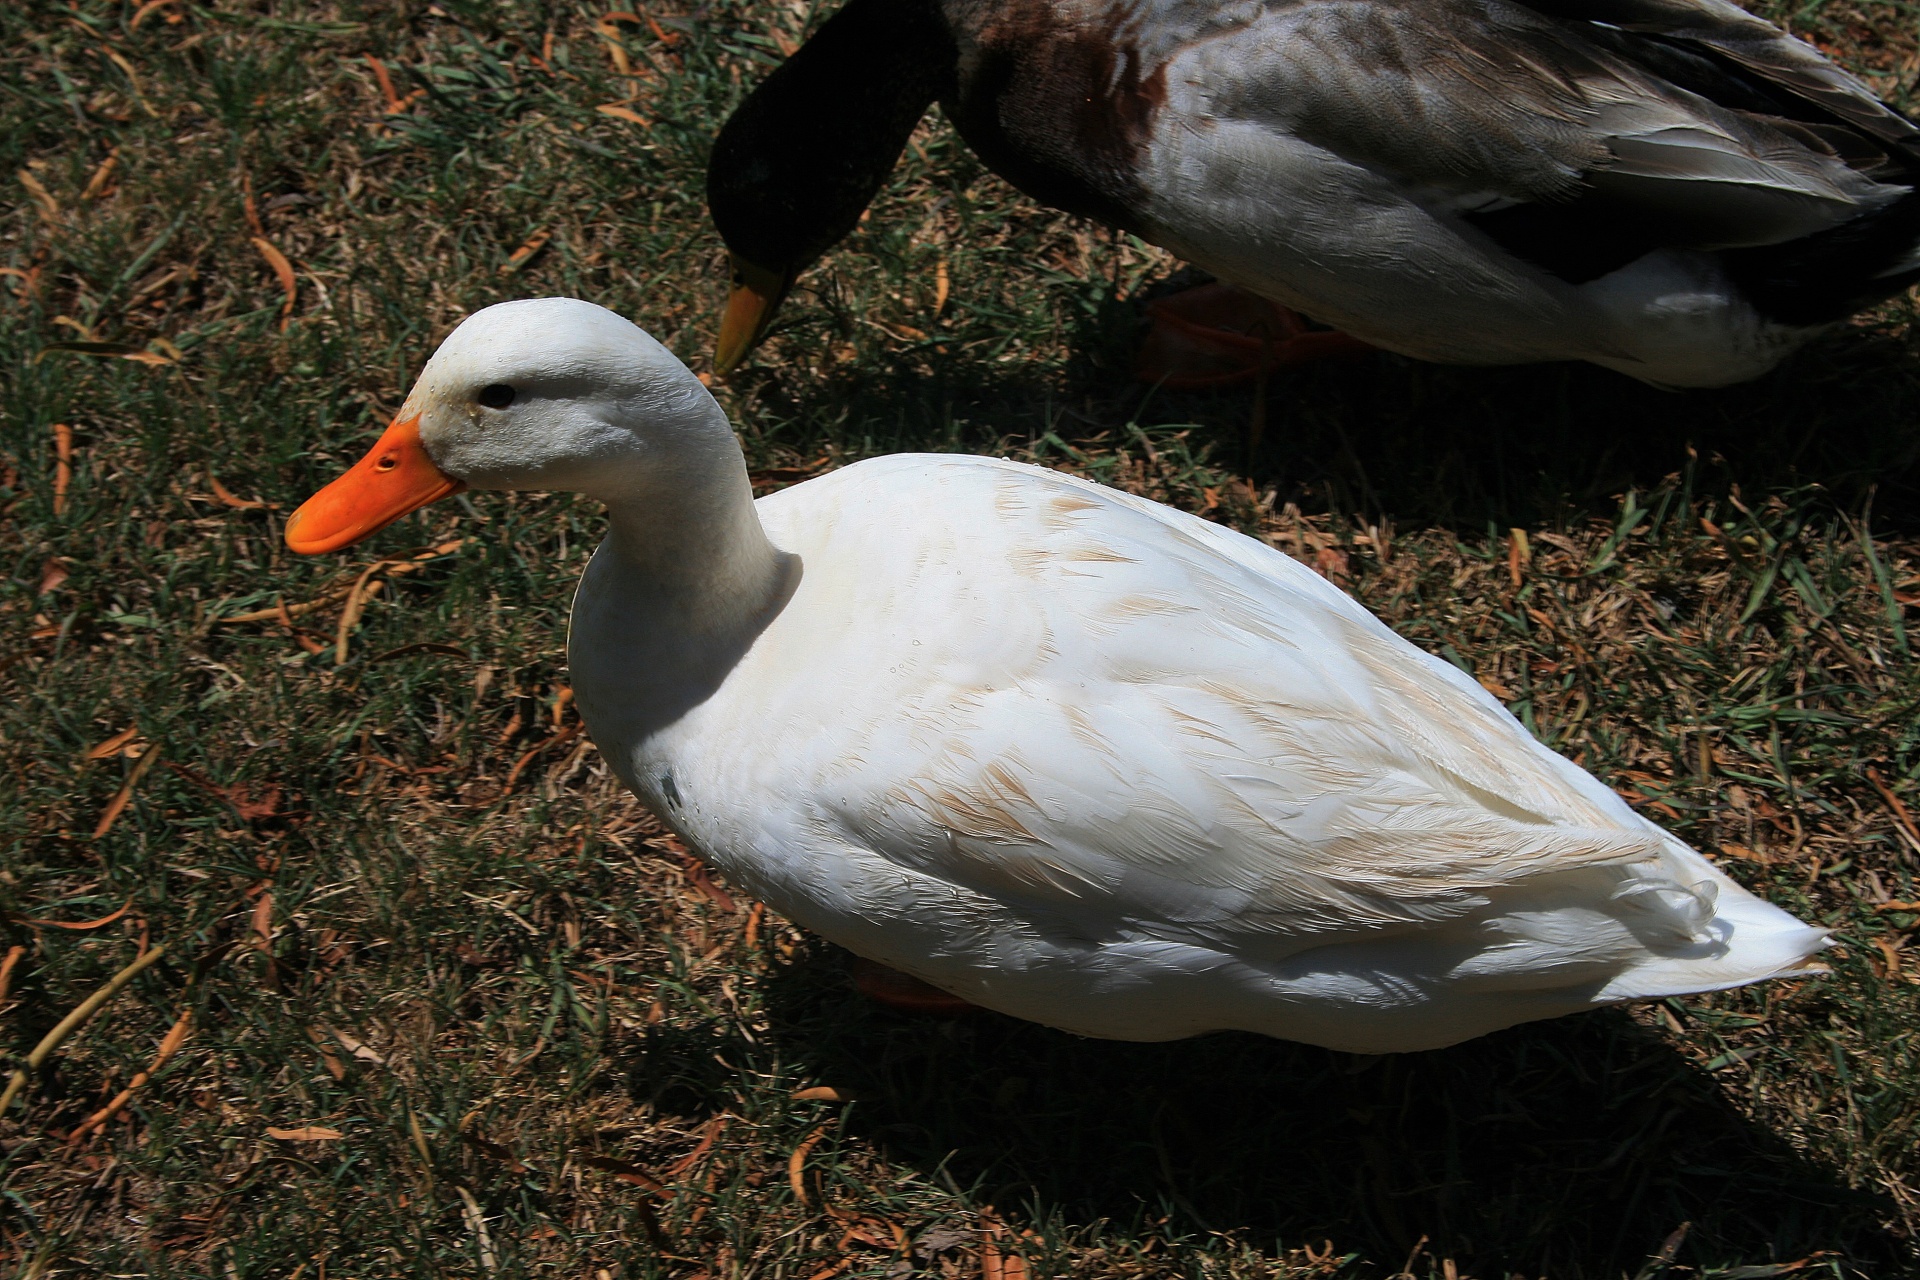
column 1671, row 188
column 1062, row 752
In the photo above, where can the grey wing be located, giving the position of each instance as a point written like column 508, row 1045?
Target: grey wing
column 1723, row 32
column 1565, row 141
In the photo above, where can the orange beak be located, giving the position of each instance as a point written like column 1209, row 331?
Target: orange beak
column 394, row 478
column 753, row 297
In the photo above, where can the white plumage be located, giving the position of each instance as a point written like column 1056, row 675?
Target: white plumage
column 1069, row 754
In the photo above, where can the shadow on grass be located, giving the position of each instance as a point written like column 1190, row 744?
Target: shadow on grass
column 1419, row 443
column 1570, row 1148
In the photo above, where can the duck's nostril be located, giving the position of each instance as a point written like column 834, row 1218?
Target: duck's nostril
column 387, row 462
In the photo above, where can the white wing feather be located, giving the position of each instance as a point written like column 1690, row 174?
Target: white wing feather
column 1086, row 759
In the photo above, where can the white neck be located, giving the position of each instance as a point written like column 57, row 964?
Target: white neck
column 684, row 582
column 687, row 538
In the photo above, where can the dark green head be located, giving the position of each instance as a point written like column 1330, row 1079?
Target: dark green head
column 801, row 158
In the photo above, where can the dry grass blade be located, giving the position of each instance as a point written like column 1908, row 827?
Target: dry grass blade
column 519, row 766
column 477, row 1223
column 534, row 243
column 62, row 465
column 146, row 10
column 619, row 112
column 6, row 970
column 995, row 1263
column 626, row 1171
column 702, row 881
column 285, row 611
column 229, row 499
column 117, row 805
column 169, row 1046
column 714, row 1128
column 282, row 270
column 797, row 1163
column 49, row 207
column 72, row 1022
column 1901, row 817
column 395, row 103
column 97, row 184
column 78, row 926
column 357, row 596
column 112, row 746
column 133, row 79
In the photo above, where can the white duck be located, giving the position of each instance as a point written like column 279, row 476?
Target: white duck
column 1062, row 752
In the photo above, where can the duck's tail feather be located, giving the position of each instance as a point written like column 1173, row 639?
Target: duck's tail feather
column 1707, row 933
column 1831, row 274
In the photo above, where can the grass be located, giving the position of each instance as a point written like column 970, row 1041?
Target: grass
column 404, row 903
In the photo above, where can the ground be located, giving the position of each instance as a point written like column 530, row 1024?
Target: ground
column 453, row 1005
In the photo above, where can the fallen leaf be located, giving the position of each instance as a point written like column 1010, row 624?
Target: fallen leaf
column 117, row 805
column 76, row 925
column 112, row 746
column 797, row 1163
column 360, row 1051
column 98, row 182
column 140, row 14
column 1331, row 562
column 305, row 1133
column 619, row 112
column 686, row 1162
column 524, row 254
column 262, row 922
column 227, row 498
column 335, row 1068
column 62, row 465
column 53, row 575
column 49, row 207
column 1746, row 854
column 697, row 876
column 282, row 269
column 940, row 1239
column 822, row 1093
column 395, row 103
column 624, row 1171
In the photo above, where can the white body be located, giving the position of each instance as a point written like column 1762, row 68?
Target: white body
column 1090, row 761
column 1069, row 754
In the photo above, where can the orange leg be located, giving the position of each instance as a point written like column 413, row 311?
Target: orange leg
column 1215, row 335
column 897, row 990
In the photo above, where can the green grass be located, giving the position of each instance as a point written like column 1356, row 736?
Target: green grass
column 404, row 903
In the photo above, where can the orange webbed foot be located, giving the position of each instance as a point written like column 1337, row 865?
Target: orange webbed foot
column 901, row 991
column 1215, row 335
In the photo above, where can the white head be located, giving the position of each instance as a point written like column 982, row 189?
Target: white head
column 546, row 393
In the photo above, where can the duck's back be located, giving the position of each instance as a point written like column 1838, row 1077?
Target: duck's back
column 1094, row 762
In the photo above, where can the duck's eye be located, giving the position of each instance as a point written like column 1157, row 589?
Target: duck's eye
column 497, row 396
